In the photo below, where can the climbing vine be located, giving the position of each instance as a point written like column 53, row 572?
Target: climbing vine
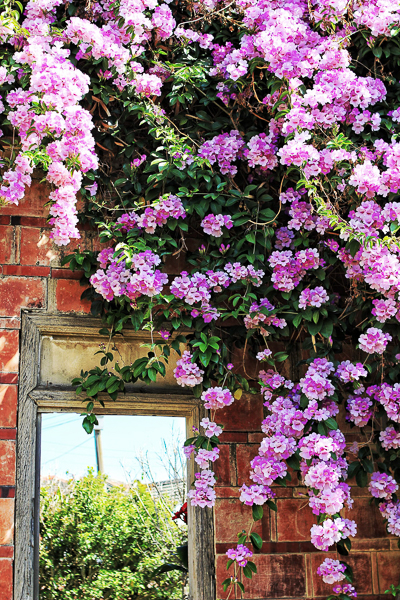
column 253, row 144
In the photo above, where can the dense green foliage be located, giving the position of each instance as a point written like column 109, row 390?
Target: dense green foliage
column 106, row 543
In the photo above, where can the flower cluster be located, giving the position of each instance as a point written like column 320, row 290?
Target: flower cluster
column 240, row 554
column 331, row 570
column 186, row 372
column 374, row 340
column 316, row 297
column 382, row 486
column 133, row 279
column 212, row 224
column 287, row 83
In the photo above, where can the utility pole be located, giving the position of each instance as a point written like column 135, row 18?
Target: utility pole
column 97, row 443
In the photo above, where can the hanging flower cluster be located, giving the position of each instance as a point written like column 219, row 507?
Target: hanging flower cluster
column 242, row 164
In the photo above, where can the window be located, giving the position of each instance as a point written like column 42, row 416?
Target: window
column 54, row 349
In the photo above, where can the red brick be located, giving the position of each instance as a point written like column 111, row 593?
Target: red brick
column 33, row 222
column 244, row 454
column 24, row 271
column 247, row 415
column 6, row 520
column 359, row 562
column 256, row 438
column 9, row 350
column 7, row 462
column 295, row 519
column 231, row 517
column 173, row 265
column 227, row 492
column 4, row 220
column 388, row 569
column 278, row 576
column 8, row 378
column 8, row 433
column 32, row 204
column 6, row 551
column 6, row 579
column 18, row 292
column 7, row 244
column 36, row 247
column 224, row 467
column 274, row 548
column 11, row 323
column 66, row 274
column 370, row 523
column 364, row 545
column 68, row 295
column 233, row 436
column 8, row 405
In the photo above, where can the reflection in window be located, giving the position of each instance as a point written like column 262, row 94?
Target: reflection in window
column 120, row 534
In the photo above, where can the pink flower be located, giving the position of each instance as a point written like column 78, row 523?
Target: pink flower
column 187, row 373
column 390, row 438
column 210, row 428
column 212, row 224
column 240, row 554
column 382, row 485
column 204, row 456
column 374, row 341
column 255, row 494
column 217, row 397
column 188, row 450
column 202, row 497
column 331, row 570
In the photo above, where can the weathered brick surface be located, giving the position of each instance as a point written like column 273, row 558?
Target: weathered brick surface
column 6, row 520
column 20, row 292
column 31, row 276
column 37, row 248
column 9, row 350
column 7, row 247
column 8, row 405
column 7, row 462
column 6, row 578
column 68, row 295
column 231, row 517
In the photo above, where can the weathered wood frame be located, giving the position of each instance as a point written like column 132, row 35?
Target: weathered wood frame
column 35, row 399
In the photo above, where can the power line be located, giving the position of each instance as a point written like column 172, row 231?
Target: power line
column 59, row 424
column 68, row 451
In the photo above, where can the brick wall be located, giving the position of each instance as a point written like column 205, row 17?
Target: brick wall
column 288, row 561
column 31, row 276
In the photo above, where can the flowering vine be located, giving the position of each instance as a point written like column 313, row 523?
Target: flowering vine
column 258, row 140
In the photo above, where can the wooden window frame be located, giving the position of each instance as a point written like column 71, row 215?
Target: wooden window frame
column 33, row 400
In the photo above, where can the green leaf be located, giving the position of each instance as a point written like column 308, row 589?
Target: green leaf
column 297, row 320
column 331, row 423
column 353, row 468
column 247, row 572
column 313, row 328
column 293, row 462
column 252, row 566
column 258, row 512
column 326, row 329
column 226, row 583
column 361, row 478
column 256, row 540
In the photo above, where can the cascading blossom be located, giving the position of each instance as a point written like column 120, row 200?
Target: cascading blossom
column 374, row 340
column 212, row 224
column 288, row 85
column 186, row 372
column 217, row 397
column 331, row 570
